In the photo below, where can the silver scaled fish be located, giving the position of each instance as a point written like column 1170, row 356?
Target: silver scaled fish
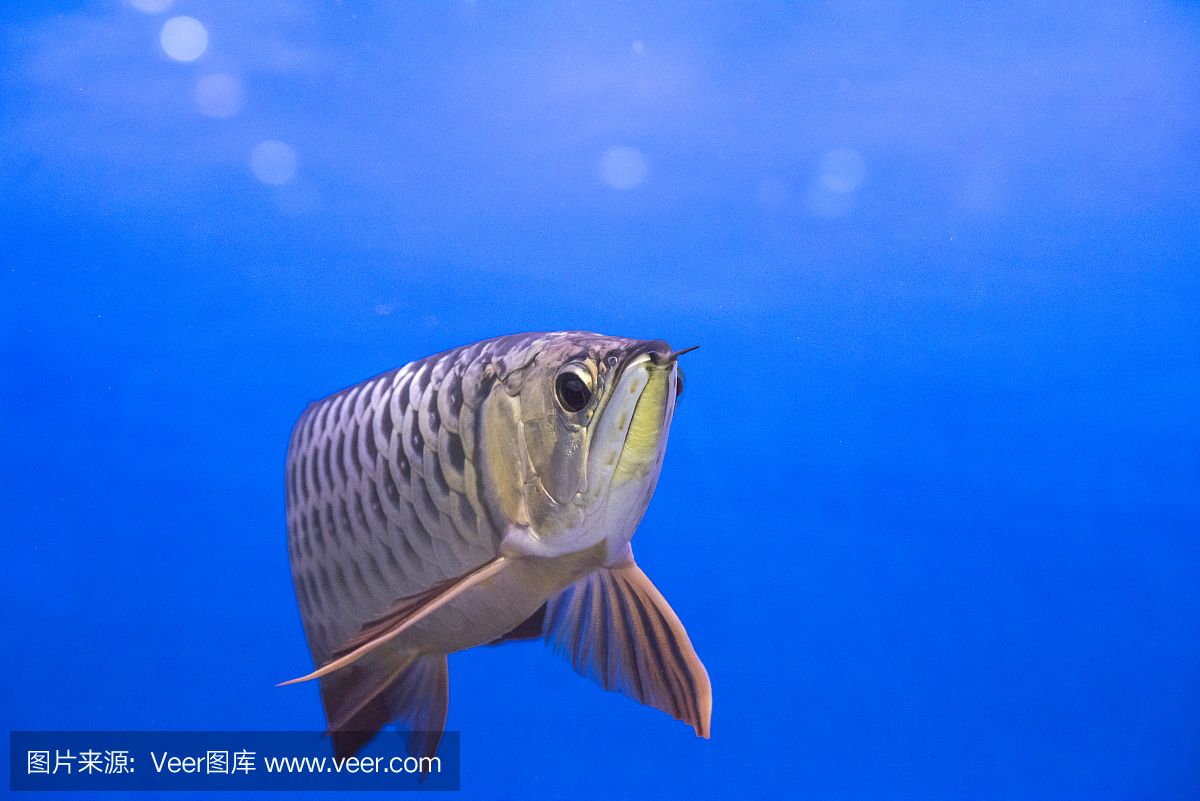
column 478, row 496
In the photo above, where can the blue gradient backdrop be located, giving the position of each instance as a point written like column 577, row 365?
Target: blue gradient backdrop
column 931, row 506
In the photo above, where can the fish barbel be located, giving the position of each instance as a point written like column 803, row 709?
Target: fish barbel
column 481, row 495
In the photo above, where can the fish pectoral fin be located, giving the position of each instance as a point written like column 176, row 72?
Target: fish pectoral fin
column 616, row 628
column 401, row 616
column 387, row 687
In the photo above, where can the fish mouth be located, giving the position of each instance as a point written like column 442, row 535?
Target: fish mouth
column 645, row 435
column 628, row 444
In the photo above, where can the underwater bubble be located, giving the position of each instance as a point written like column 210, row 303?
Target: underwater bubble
column 184, row 38
column 219, row 95
column 273, row 162
column 151, row 6
column 623, row 167
column 842, row 170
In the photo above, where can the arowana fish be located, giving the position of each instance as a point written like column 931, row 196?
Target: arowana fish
column 481, row 495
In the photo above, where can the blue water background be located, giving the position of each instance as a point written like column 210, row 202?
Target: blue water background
column 931, row 504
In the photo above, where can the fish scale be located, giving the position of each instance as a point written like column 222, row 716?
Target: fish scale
column 391, row 448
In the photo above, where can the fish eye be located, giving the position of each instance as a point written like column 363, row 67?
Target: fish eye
column 572, row 389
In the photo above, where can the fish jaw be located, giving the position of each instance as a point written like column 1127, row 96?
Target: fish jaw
column 627, row 452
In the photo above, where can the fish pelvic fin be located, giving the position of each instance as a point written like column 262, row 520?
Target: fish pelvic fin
column 401, row 616
column 386, row 687
column 615, row 627
column 529, row 629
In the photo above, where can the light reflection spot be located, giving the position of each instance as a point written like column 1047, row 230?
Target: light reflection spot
column 184, row 38
column 151, row 6
column 273, row 162
column 623, row 167
column 842, row 170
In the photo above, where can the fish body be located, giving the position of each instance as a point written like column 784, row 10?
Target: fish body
column 480, row 495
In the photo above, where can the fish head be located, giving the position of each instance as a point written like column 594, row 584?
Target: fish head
column 594, row 413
